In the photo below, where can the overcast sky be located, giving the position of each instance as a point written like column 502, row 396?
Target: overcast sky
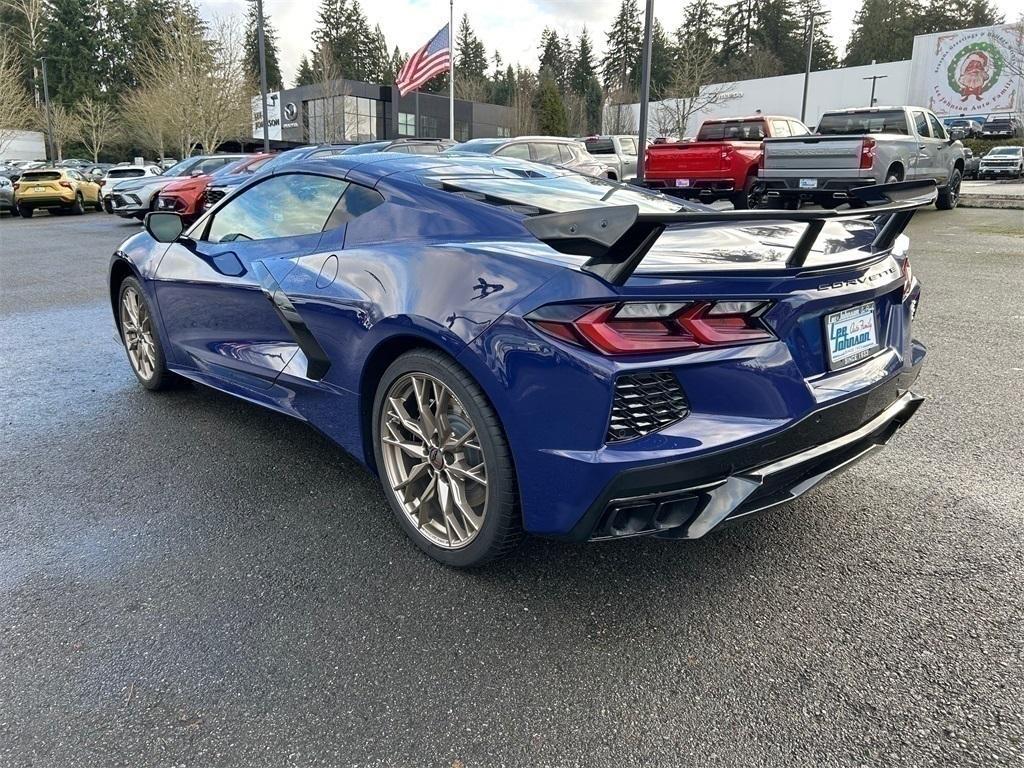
column 512, row 27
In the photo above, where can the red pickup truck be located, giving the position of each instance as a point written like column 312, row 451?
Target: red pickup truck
column 721, row 163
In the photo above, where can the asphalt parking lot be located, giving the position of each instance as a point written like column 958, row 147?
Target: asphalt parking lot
column 186, row 580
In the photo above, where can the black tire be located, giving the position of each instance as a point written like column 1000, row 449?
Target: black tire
column 752, row 196
column 77, row 208
column 501, row 530
column 161, row 377
column 98, row 205
column 949, row 195
column 25, row 211
column 14, row 211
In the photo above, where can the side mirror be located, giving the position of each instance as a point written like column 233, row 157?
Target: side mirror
column 164, row 226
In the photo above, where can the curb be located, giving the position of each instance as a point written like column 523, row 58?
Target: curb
column 992, row 201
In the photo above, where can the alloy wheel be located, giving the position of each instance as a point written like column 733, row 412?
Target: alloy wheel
column 433, row 460
column 137, row 331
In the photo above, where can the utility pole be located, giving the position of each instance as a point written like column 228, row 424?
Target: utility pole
column 263, row 77
column 451, row 70
column 49, row 119
column 874, row 79
column 807, row 69
column 645, row 91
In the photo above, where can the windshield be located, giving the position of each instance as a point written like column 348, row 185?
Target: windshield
column 745, row 130
column 1004, row 152
column 856, row 123
column 364, row 149
column 478, row 146
column 183, row 168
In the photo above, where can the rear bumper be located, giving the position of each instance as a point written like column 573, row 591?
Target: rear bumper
column 45, row 201
column 828, row 190
column 687, row 499
column 698, row 188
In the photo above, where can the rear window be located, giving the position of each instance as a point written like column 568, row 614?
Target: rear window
column 41, row 176
column 600, row 146
column 125, row 173
column 855, row 123
column 746, row 130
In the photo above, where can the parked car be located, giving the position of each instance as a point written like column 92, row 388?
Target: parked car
column 134, row 198
column 96, row 171
column 618, row 152
column 1002, row 162
column 858, row 147
column 187, row 196
column 722, row 163
column 971, row 163
column 222, row 184
column 7, row 196
column 55, row 189
column 963, row 127
column 72, row 162
column 167, row 162
column 1002, row 127
column 550, row 150
column 119, row 173
column 405, row 146
column 470, row 329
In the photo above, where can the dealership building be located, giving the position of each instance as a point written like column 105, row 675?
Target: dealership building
column 347, row 110
column 969, row 72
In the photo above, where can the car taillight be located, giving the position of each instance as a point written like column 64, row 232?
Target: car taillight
column 867, row 153
column 65, row 184
column 101, row 182
column 16, row 184
column 908, row 277
column 641, row 328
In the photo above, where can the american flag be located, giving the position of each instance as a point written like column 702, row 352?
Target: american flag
column 428, row 62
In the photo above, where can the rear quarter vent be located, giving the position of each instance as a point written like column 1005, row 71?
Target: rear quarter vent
column 644, row 403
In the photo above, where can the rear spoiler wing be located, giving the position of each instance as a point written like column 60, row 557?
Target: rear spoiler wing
column 616, row 238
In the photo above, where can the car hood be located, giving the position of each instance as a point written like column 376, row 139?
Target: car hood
column 232, row 180
column 144, row 182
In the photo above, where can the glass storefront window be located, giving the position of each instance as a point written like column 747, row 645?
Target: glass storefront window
column 341, row 118
column 461, row 130
column 428, row 127
column 406, row 124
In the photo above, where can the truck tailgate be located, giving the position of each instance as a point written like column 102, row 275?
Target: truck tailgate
column 690, row 157
column 812, row 153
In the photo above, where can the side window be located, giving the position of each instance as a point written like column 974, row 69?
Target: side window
column 281, row 206
column 355, row 201
column 565, row 153
column 920, row 123
column 628, row 145
column 521, row 151
column 797, row 129
column 937, row 130
column 544, row 152
column 780, row 128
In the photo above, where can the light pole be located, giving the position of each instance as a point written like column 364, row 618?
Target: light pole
column 874, row 79
column 645, row 91
column 807, row 69
column 49, row 119
column 263, row 76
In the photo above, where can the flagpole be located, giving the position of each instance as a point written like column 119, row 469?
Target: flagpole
column 451, row 69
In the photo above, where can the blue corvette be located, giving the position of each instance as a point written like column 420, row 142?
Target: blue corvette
column 511, row 347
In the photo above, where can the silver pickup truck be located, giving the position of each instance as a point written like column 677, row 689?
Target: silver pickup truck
column 617, row 152
column 859, row 147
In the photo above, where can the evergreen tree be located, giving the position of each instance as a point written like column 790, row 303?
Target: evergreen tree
column 883, row 30
column 470, row 55
column 957, row 14
column 777, row 29
column 662, row 62
column 341, row 36
column 549, row 108
column 377, row 67
column 504, row 86
column 623, row 44
column 73, row 50
column 552, row 55
column 395, row 66
column 700, row 27
column 738, row 21
column 305, row 74
column 582, row 71
column 252, row 49
column 593, row 100
column 824, row 55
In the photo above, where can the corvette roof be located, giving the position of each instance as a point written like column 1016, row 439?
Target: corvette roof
column 373, row 167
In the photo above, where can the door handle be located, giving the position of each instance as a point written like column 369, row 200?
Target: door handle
column 922, row 146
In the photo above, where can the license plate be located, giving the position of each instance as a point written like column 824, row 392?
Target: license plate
column 682, row 182
column 851, row 335
column 808, row 183
column 37, row 189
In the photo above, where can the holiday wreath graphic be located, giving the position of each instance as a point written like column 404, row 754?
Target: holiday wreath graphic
column 974, row 69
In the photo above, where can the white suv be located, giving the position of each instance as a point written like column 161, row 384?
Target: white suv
column 1002, row 161
column 120, row 173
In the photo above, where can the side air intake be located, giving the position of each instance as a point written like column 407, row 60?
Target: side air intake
column 644, row 403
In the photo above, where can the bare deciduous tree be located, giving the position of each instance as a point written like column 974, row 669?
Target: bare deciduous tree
column 618, row 112
column 64, row 123
column 522, row 120
column 690, row 92
column 97, row 125
column 30, row 38
column 197, row 89
column 15, row 104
